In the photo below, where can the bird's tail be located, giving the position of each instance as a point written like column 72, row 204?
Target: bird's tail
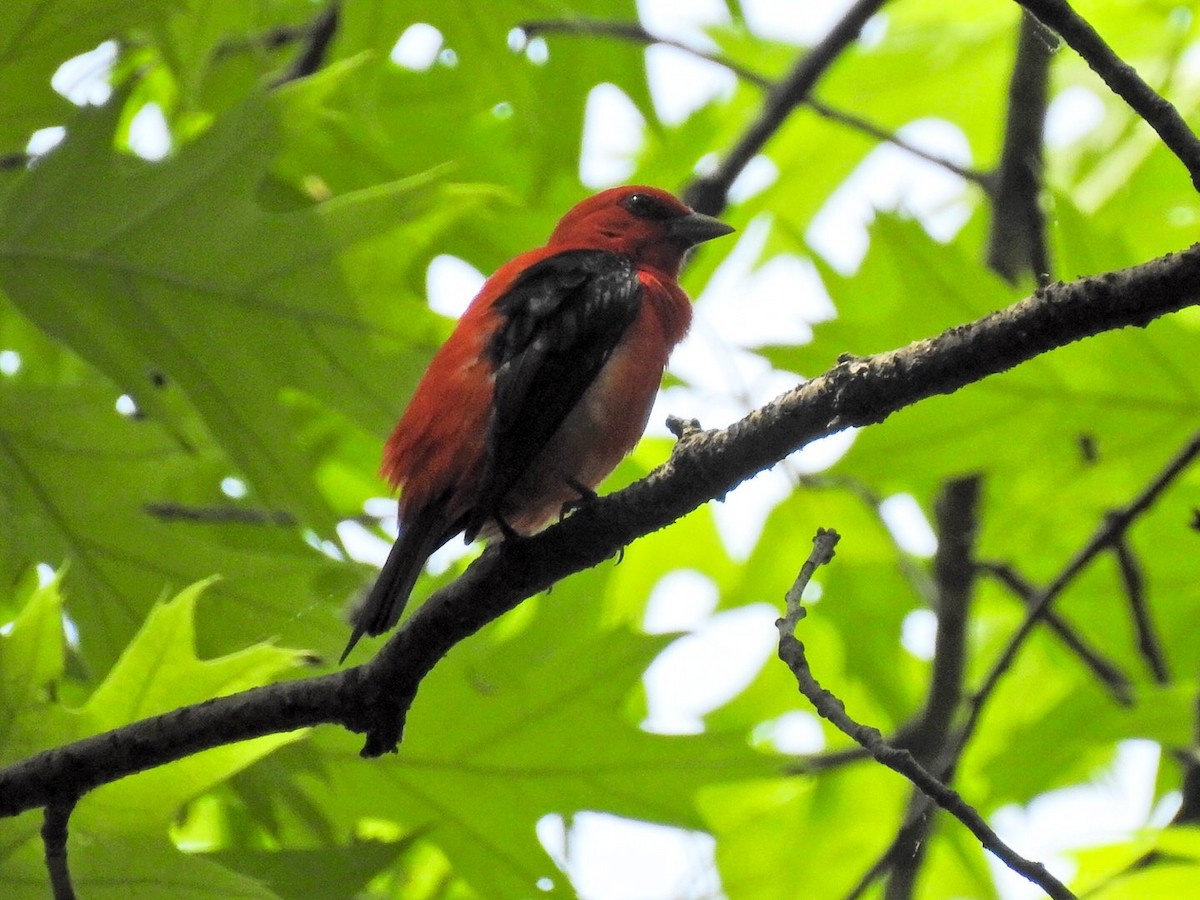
column 382, row 606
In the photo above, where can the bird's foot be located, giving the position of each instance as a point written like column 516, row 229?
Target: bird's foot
column 586, row 496
column 506, row 531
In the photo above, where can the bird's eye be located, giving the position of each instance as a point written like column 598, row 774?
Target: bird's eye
column 646, row 207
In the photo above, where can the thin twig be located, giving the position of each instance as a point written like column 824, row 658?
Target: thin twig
column 1108, row 672
column 54, row 839
column 169, row 511
column 1135, row 590
column 1113, row 526
column 635, row 33
column 791, row 652
column 1123, row 80
column 975, row 176
column 316, row 45
column 1017, row 237
column 710, row 194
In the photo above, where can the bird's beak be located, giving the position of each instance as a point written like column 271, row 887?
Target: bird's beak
column 696, row 228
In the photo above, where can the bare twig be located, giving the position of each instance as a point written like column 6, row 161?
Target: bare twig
column 710, row 193
column 1017, row 239
column 1108, row 672
column 1111, row 529
column 1135, row 590
column 54, row 839
column 829, row 707
column 1123, row 80
column 634, row 32
column 824, row 542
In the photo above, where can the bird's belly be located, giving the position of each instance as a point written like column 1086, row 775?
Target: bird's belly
column 595, row 436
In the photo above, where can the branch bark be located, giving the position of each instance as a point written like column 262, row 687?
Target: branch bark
column 54, row 839
column 1017, row 239
column 1122, row 79
column 857, row 392
column 954, row 575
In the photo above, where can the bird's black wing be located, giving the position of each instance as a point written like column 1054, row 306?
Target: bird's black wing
column 563, row 317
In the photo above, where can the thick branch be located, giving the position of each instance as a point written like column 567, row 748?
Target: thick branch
column 1122, row 79
column 856, row 392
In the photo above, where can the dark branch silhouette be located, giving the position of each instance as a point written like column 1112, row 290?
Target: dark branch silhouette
column 1110, row 531
column 710, row 194
column 1108, row 672
column 791, row 651
column 956, row 520
column 1122, row 79
column 374, row 698
column 54, row 839
column 1017, row 238
column 1134, row 583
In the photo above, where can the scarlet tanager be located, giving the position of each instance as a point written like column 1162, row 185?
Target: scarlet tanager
column 544, row 386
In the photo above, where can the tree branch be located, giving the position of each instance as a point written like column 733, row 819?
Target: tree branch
column 954, row 577
column 374, row 698
column 1135, row 591
column 54, row 839
column 316, row 40
column 1017, row 239
column 1108, row 672
column 1110, row 530
column 1122, row 79
column 710, row 194
column 791, row 651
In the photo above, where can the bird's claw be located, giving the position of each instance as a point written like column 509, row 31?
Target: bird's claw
column 586, row 496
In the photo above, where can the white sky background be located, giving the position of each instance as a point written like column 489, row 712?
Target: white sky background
column 614, row 859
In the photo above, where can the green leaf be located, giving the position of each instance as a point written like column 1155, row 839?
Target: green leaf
column 37, row 37
column 175, row 271
column 81, row 483
column 547, row 734
column 159, row 671
column 108, row 867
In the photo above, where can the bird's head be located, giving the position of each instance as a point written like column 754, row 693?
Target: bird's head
column 647, row 224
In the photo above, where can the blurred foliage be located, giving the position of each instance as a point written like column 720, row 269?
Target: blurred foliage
column 199, row 358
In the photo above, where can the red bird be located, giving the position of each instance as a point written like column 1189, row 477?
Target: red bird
column 544, row 386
